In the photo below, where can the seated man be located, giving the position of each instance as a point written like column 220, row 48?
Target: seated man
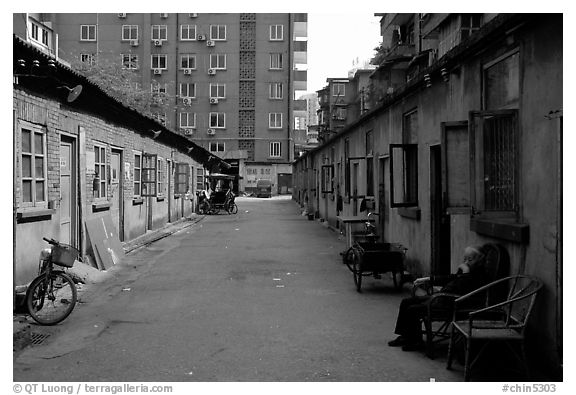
column 469, row 276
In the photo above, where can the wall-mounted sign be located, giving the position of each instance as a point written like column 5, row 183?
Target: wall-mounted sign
column 127, row 171
column 90, row 162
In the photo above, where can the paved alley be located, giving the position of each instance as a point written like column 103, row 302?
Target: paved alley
column 257, row 296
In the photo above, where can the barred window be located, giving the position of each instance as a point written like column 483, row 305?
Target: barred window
column 275, row 149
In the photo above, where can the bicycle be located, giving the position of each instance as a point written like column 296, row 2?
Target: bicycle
column 52, row 295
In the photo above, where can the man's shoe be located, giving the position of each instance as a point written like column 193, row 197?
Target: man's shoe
column 413, row 346
column 399, row 341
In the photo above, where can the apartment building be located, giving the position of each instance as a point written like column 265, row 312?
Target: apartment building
column 226, row 81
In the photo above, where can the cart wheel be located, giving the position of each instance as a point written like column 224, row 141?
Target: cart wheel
column 357, row 272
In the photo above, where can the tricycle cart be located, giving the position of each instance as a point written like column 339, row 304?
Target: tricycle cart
column 374, row 259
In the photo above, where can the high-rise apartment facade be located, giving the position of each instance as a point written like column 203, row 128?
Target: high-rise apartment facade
column 227, row 81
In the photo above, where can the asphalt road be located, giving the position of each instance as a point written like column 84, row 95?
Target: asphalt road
column 257, row 296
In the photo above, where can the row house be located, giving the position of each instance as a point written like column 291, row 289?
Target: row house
column 81, row 156
column 462, row 146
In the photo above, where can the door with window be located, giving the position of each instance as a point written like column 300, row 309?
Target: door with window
column 68, row 213
column 116, row 182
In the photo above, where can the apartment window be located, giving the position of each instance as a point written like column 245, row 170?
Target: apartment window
column 275, row 149
column 218, row 91
column 160, row 117
column 87, row 32
column 188, row 120
column 33, row 162
column 275, row 120
column 188, row 90
column 216, row 147
column 159, row 61
column 276, row 32
column 188, row 61
column 35, row 32
column 501, row 82
column 157, row 89
column 469, row 23
column 338, row 89
column 129, row 61
column 340, row 113
column 276, row 61
column 199, row 178
column 457, row 29
column 187, row 32
column 218, row 120
column 159, row 32
column 45, row 37
column 137, row 174
column 218, row 61
column 88, row 58
column 218, row 32
column 129, row 32
column 100, row 170
column 161, row 177
column 276, row 90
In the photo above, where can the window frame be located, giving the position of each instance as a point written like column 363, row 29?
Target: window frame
column 158, row 57
column 137, row 180
column 200, row 178
column 276, row 91
column 275, row 149
column 218, row 31
column 218, row 144
column 188, row 85
column 158, row 30
column 341, row 91
column 274, row 125
column 408, row 171
column 217, row 85
column 187, row 116
column 88, row 58
column 102, row 174
column 478, row 165
column 149, row 175
column 34, row 202
column 160, row 177
column 188, row 28
column 88, row 31
column 217, row 57
column 276, row 61
column 218, row 115
column 274, row 28
column 132, row 65
column 187, row 58
column 327, row 179
column 129, row 29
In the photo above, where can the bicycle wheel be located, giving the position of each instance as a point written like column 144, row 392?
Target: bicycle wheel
column 51, row 300
column 233, row 209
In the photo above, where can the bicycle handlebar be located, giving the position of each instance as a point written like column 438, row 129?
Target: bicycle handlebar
column 50, row 241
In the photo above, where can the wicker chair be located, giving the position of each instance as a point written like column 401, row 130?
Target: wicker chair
column 502, row 321
column 439, row 314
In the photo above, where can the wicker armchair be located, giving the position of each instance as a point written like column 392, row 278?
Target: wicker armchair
column 439, row 314
column 502, row 321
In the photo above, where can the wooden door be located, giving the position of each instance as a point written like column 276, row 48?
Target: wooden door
column 116, row 184
column 68, row 226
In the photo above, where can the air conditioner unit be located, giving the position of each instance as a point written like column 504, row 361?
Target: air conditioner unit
column 187, row 71
column 193, row 15
column 211, row 132
column 211, row 71
column 213, row 100
column 157, row 71
column 158, row 43
column 210, row 43
column 123, row 15
column 164, row 16
column 188, row 131
column 201, row 37
column 187, row 101
column 134, row 43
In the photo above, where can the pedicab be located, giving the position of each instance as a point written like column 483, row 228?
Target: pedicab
column 221, row 198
